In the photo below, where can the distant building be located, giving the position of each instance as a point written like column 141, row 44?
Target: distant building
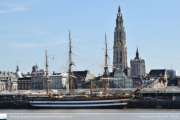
column 24, row 83
column 158, row 73
column 136, row 82
column 174, row 83
column 171, row 73
column 81, row 78
column 129, row 82
column 120, row 77
column 156, row 84
column 8, row 81
column 58, row 81
column 138, row 66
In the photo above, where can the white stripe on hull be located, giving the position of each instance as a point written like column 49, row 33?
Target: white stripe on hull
column 77, row 105
column 82, row 101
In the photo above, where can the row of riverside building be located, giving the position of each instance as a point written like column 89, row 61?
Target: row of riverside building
column 10, row 81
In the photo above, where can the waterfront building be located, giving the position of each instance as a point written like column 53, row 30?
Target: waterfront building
column 24, row 83
column 136, row 81
column 171, row 73
column 8, row 81
column 128, row 82
column 138, row 66
column 155, row 84
column 120, row 77
column 119, row 48
column 82, row 77
column 58, row 81
column 174, row 83
column 158, row 73
column 18, row 73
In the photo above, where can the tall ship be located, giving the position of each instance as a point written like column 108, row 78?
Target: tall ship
column 94, row 100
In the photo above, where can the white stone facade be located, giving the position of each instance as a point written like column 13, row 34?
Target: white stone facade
column 8, row 81
column 58, row 81
column 128, row 83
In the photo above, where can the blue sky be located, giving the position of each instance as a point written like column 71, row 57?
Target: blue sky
column 27, row 28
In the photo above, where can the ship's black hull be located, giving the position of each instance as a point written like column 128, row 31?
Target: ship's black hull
column 80, row 104
column 102, row 107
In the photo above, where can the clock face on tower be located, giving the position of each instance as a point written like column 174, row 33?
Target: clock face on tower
column 118, row 44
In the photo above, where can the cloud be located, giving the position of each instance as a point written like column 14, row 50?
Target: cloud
column 26, row 45
column 32, row 45
column 8, row 8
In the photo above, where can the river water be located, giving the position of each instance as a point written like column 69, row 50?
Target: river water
column 92, row 114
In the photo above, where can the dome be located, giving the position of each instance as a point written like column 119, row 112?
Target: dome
column 18, row 74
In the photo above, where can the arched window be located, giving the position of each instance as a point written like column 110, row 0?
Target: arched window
column 117, row 55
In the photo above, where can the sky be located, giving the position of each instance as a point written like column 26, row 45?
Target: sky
column 29, row 27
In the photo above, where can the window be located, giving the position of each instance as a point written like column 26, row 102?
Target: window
column 120, row 53
column 79, row 84
column 117, row 55
column 22, row 86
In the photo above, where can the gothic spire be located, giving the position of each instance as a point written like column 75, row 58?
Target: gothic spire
column 119, row 10
column 17, row 67
column 137, row 54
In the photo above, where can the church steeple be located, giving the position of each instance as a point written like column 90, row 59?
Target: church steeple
column 17, row 67
column 119, row 9
column 120, row 49
column 137, row 54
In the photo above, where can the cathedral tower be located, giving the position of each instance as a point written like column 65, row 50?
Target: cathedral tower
column 119, row 49
column 138, row 68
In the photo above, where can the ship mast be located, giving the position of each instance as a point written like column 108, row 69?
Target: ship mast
column 47, row 77
column 70, row 64
column 106, row 72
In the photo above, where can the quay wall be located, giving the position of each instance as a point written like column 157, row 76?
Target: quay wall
column 152, row 104
column 13, row 104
